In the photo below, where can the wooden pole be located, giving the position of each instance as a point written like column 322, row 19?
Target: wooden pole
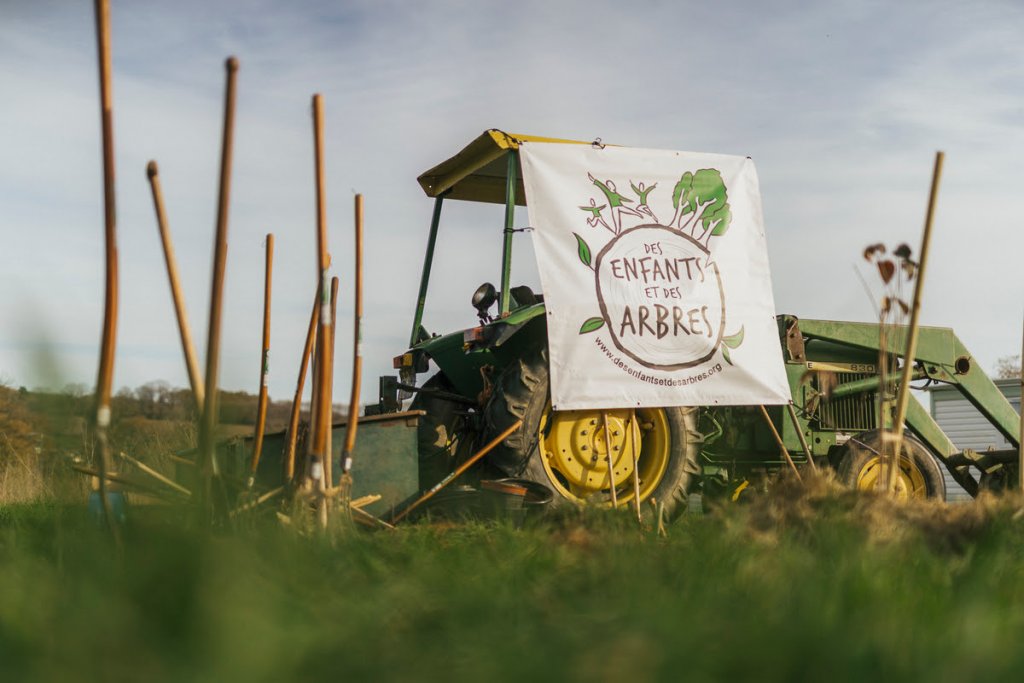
column 319, row 451
column 329, row 460
column 357, row 341
column 608, row 453
column 314, row 403
column 208, row 422
column 458, row 471
column 146, row 469
column 909, row 355
column 364, row 517
column 782, row 446
column 261, row 406
column 293, row 421
column 119, row 479
column 634, row 434
column 184, row 331
column 253, row 504
column 108, row 342
column 363, row 501
column 800, row 435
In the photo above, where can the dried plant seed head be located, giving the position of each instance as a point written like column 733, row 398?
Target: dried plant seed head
column 151, row 169
column 886, row 269
column 872, row 249
column 903, row 251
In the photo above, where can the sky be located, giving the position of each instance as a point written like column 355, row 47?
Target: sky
column 841, row 105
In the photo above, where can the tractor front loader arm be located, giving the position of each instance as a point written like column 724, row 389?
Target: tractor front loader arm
column 941, row 357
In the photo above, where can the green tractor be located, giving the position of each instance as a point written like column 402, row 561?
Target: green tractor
column 496, row 372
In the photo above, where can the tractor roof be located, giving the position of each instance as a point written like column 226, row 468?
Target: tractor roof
column 478, row 173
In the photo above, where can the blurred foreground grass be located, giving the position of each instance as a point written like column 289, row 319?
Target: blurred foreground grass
column 823, row 587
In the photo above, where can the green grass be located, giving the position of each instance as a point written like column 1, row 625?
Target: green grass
column 829, row 587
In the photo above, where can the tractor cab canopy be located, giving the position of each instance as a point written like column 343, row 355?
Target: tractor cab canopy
column 486, row 170
column 479, row 173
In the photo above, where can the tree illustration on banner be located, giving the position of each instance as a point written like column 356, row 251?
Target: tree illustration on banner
column 701, row 199
column 659, row 290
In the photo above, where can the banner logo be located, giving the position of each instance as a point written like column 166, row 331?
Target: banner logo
column 659, row 290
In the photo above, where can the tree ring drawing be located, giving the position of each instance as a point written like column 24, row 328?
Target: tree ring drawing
column 661, row 297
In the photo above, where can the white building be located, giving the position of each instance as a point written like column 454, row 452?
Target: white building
column 966, row 427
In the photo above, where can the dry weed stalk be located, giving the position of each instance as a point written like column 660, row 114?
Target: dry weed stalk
column 896, row 335
column 895, row 271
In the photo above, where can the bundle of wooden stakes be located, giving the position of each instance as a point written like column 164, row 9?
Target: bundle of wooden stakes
column 307, row 478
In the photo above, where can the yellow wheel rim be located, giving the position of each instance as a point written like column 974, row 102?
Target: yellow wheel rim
column 575, row 448
column 910, row 483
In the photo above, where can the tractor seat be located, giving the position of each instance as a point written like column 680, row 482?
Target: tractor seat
column 524, row 296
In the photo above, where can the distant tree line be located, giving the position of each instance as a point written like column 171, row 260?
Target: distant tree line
column 154, row 414
column 1008, row 367
column 155, row 401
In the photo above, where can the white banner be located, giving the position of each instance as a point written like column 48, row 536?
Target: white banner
column 655, row 275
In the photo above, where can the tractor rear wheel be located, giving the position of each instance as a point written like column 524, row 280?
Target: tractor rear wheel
column 569, row 450
column 920, row 477
column 439, row 433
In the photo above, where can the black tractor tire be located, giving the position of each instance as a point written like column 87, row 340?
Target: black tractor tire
column 440, row 433
column 522, row 391
column 860, row 454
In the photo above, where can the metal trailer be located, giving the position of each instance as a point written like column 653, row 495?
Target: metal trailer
column 384, row 462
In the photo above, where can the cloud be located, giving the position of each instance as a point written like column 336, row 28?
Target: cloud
column 839, row 108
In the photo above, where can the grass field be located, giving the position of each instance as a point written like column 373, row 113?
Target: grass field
column 826, row 586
